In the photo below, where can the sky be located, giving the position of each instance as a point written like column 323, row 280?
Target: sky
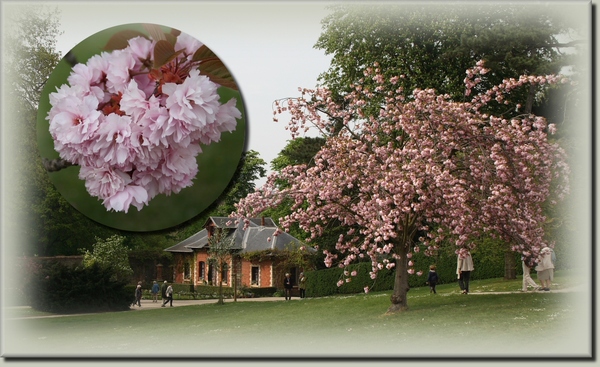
column 267, row 46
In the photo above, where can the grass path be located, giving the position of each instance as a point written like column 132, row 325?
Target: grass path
column 495, row 319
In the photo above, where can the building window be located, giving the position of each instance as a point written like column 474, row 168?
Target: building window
column 186, row 271
column 210, row 274
column 201, row 270
column 254, row 275
column 225, row 274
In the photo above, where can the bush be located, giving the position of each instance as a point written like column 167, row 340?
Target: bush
column 62, row 289
column 488, row 262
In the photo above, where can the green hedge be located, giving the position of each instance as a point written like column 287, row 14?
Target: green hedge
column 62, row 289
column 488, row 262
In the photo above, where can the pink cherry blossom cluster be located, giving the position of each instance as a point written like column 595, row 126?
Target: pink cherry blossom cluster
column 136, row 132
column 424, row 164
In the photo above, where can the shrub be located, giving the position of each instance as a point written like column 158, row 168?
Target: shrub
column 62, row 289
column 111, row 254
column 488, row 262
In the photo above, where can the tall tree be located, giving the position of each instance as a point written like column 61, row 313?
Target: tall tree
column 433, row 45
column 44, row 219
column 220, row 247
column 420, row 172
column 249, row 170
column 297, row 151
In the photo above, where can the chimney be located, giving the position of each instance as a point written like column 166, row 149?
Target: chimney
column 262, row 221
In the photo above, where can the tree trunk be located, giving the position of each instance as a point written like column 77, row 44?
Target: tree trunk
column 530, row 98
column 510, row 265
column 220, row 280
column 401, row 288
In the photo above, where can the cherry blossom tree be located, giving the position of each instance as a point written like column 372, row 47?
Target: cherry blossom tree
column 423, row 171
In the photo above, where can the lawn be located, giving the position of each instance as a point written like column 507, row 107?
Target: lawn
column 529, row 324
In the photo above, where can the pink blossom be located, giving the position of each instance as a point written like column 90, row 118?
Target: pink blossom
column 130, row 195
column 135, row 103
column 187, row 43
column 118, row 73
column 194, row 102
column 113, row 140
column 450, row 172
column 134, row 136
column 104, row 181
column 141, row 49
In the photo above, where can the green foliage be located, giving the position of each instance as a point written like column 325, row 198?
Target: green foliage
column 49, row 224
column 433, row 46
column 250, row 168
column 62, row 289
column 31, row 49
column 110, row 254
column 488, row 261
column 297, row 151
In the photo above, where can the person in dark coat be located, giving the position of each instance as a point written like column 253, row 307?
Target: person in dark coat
column 287, row 286
column 432, row 279
column 163, row 290
column 138, row 296
column 168, row 296
column 302, row 285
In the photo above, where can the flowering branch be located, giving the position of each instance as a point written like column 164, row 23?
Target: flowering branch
column 423, row 164
column 134, row 116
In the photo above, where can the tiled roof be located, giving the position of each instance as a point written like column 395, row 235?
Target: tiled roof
column 258, row 236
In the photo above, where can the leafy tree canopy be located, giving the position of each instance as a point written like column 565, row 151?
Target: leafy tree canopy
column 110, row 253
column 433, row 46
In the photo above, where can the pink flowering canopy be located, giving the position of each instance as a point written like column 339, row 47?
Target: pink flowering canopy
column 421, row 165
column 136, row 117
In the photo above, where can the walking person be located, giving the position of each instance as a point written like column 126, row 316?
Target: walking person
column 155, row 289
column 138, row 296
column 464, row 267
column 163, row 290
column 432, row 279
column 168, row 296
column 287, row 286
column 528, row 264
column 302, row 285
column 545, row 268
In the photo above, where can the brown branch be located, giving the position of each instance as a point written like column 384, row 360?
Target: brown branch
column 55, row 165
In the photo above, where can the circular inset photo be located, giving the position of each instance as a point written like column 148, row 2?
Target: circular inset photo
column 141, row 127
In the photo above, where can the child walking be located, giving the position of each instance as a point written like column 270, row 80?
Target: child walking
column 432, row 279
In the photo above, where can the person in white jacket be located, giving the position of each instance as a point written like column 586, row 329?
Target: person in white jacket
column 545, row 268
column 464, row 267
column 528, row 264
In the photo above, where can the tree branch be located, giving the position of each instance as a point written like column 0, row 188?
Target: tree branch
column 55, row 165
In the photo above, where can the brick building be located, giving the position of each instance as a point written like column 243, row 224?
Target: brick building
column 253, row 236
